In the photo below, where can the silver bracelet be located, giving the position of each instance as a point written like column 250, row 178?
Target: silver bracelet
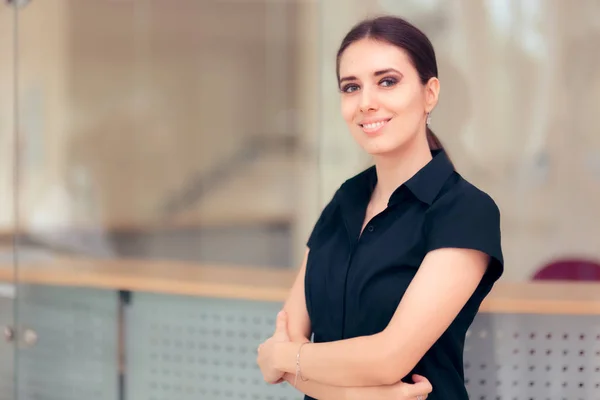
column 298, row 371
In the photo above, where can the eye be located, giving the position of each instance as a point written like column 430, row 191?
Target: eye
column 349, row 88
column 388, row 82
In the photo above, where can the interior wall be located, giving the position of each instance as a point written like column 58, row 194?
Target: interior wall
column 36, row 70
column 169, row 92
column 7, row 127
column 124, row 104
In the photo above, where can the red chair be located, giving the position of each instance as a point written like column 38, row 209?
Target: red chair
column 569, row 270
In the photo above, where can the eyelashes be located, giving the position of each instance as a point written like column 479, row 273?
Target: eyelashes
column 389, row 82
column 349, row 88
column 386, row 82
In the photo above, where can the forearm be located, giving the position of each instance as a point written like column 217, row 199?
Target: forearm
column 327, row 392
column 318, row 390
column 357, row 362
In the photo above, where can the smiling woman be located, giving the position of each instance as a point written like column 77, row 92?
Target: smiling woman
column 401, row 258
column 398, row 57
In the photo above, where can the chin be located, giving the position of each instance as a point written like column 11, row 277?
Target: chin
column 379, row 147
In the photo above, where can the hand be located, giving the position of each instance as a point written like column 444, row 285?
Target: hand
column 399, row 391
column 411, row 391
column 266, row 350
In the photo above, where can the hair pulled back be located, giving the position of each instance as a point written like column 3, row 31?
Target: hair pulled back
column 402, row 34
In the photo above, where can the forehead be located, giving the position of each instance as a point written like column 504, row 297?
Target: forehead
column 367, row 56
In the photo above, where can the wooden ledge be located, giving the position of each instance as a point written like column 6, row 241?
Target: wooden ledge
column 269, row 284
column 167, row 277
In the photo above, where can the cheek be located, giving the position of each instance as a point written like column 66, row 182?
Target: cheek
column 348, row 109
column 404, row 103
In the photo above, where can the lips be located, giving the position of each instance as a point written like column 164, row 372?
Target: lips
column 373, row 126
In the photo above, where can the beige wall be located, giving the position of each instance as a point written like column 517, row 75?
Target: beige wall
column 171, row 90
column 42, row 108
column 126, row 102
column 6, row 115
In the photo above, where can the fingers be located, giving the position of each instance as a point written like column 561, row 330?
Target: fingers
column 422, row 387
column 419, row 378
column 281, row 330
column 281, row 322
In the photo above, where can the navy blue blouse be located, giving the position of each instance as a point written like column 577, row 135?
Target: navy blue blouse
column 355, row 282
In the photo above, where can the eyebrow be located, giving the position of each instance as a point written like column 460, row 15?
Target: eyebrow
column 376, row 73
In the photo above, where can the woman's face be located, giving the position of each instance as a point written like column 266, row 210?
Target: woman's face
column 383, row 100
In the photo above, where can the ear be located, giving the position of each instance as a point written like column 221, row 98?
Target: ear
column 432, row 92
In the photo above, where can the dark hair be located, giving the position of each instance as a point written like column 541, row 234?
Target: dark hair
column 400, row 33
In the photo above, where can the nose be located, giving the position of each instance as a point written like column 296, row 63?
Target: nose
column 367, row 101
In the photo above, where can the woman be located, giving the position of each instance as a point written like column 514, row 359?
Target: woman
column 401, row 258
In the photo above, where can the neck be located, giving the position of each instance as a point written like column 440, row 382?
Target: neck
column 395, row 169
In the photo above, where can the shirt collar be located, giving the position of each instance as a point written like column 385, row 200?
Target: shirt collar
column 425, row 185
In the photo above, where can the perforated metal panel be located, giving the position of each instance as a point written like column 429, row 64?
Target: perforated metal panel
column 533, row 357
column 198, row 348
column 6, row 350
column 194, row 348
column 75, row 357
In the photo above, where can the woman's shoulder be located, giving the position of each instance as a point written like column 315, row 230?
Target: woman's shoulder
column 463, row 194
column 465, row 216
column 460, row 200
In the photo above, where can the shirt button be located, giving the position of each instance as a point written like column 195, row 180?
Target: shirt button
column 370, row 228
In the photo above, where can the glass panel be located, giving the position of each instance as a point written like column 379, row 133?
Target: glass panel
column 516, row 116
column 168, row 148
column 7, row 194
column 175, row 134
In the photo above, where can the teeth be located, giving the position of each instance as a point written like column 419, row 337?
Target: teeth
column 374, row 125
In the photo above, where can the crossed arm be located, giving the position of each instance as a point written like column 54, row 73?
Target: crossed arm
column 299, row 329
column 445, row 281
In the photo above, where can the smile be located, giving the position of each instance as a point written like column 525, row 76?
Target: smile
column 373, row 127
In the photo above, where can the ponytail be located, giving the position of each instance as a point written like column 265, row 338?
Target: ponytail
column 435, row 144
column 433, row 141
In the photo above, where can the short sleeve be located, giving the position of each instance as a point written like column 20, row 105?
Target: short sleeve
column 322, row 222
column 469, row 220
